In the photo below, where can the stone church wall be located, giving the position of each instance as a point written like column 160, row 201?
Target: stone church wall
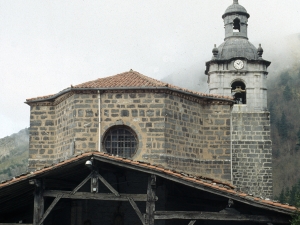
column 252, row 153
column 57, row 131
column 42, row 136
column 173, row 130
column 77, row 125
column 144, row 113
column 198, row 137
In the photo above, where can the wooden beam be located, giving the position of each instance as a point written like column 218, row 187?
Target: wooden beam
column 97, row 196
column 38, row 205
column 193, row 185
column 82, row 183
column 192, row 222
column 137, row 210
column 165, row 215
column 94, row 183
column 49, row 209
column 151, row 198
column 107, row 185
column 58, row 196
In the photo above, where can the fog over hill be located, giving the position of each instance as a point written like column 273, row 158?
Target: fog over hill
column 283, row 98
column 14, row 154
column 283, row 52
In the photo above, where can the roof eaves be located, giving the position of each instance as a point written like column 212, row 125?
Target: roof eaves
column 202, row 183
column 180, row 90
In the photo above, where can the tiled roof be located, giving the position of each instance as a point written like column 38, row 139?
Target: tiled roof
column 131, row 79
column 127, row 79
column 206, row 183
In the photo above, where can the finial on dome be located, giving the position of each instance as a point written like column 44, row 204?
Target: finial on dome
column 235, row 1
column 260, row 51
column 215, row 51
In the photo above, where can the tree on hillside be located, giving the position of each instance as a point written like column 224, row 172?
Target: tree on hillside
column 284, row 78
column 287, row 93
column 283, row 127
column 298, row 140
column 292, row 197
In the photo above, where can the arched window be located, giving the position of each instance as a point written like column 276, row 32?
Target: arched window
column 238, row 90
column 236, row 25
column 121, row 141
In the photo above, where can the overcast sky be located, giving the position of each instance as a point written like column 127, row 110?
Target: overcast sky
column 47, row 45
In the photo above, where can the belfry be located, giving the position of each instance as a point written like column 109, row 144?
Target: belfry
column 237, row 69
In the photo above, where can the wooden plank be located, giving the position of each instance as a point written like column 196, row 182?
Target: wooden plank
column 165, row 215
column 50, row 208
column 82, row 183
column 97, row 196
column 192, row 222
column 107, row 185
column 137, row 210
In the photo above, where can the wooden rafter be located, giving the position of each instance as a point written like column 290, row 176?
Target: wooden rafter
column 97, row 196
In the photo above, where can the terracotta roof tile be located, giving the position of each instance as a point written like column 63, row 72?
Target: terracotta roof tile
column 201, row 182
column 129, row 79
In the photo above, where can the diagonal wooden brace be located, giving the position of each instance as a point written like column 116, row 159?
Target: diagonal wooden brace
column 137, row 210
column 50, row 208
column 59, row 196
column 107, row 185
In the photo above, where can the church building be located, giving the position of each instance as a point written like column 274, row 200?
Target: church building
column 129, row 149
column 224, row 135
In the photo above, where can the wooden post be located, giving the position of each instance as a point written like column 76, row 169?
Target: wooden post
column 94, row 183
column 151, row 198
column 38, row 209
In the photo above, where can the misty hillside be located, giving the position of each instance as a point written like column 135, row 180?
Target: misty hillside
column 14, row 154
column 284, row 106
column 283, row 103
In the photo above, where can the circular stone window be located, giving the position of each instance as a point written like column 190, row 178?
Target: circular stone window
column 121, row 141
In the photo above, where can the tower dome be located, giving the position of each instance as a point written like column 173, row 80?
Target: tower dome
column 236, row 8
column 237, row 47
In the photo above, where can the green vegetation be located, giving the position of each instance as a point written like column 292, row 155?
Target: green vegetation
column 14, row 154
column 292, row 197
column 284, row 106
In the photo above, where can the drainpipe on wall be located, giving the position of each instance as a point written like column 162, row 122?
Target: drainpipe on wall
column 231, row 130
column 99, row 121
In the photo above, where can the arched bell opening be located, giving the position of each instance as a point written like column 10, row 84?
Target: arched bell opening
column 238, row 91
column 236, row 25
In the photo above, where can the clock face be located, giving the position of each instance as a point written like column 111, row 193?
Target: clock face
column 238, row 64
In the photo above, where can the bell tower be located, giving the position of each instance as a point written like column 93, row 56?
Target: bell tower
column 237, row 69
